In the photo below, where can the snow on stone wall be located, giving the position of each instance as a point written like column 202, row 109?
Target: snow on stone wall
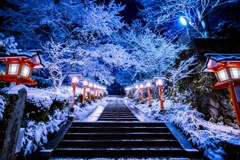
column 2, row 106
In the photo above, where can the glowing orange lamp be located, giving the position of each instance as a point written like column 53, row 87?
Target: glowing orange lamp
column 19, row 67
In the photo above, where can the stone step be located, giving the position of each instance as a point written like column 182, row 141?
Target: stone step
column 117, row 119
column 118, row 143
column 75, row 129
column 120, row 152
column 117, row 136
column 119, row 124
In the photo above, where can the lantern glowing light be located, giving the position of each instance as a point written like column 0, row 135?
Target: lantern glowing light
column 19, row 67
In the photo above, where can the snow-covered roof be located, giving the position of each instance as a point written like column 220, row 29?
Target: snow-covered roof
column 75, row 74
column 32, row 54
column 159, row 77
column 219, row 57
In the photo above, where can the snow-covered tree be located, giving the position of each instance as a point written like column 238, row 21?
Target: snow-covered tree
column 8, row 45
column 163, row 12
column 150, row 52
column 184, row 70
column 74, row 35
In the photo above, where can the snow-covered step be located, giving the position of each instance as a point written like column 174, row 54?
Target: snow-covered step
column 121, row 152
column 117, row 129
column 136, row 135
column 119, row 124
column 118, row 143
column 119, row 134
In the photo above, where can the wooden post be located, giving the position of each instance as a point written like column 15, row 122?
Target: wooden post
column 94, row 94
column 234, row 101
column 149, row 96
column 90, row 94
column 74, row 93
column 161, row 98
column 83, row 96
column 10, row 125
column 142, row 95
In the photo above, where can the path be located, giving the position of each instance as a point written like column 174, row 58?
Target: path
column 118, row 133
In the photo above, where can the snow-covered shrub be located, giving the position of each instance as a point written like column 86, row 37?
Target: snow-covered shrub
column 2, row 106
column 42, row 102
column 208, row 137
column 8, row 45
column 36, row 135
column 42, row 82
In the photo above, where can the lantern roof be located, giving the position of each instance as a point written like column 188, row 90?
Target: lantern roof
column 214, row 59
column 30, row 56
column 75, row 74
column 159, row 77
column 148, row 80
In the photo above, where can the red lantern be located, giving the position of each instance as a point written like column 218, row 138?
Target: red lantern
column 227, row 71
column 19, row 67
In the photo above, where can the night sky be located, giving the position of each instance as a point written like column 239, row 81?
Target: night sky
column 131, row 9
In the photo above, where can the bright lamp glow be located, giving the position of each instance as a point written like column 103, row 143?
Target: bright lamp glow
column 148, row 84
column 183, row 21
column 85, row 83
column 90, row 84
column 13, row 68
column 137, row 86
column 141, row 86
column 159, row 82
column 74, row 80
column 235, row 72
column 222, row 75
column 127, row 88
column 25, row 71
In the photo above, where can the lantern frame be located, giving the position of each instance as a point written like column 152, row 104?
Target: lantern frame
column 19, row 67
column 217, row 63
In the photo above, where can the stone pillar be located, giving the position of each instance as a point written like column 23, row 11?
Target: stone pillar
column 11, row 122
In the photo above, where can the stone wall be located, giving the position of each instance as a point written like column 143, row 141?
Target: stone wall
column 214, row 104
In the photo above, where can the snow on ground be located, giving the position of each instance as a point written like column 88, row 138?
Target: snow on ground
column 37, row 133
column 205, row 135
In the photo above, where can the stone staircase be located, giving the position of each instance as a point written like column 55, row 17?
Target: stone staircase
column 119, row 134
column 117, row 111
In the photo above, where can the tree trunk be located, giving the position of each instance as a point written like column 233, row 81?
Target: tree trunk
column 205, row 25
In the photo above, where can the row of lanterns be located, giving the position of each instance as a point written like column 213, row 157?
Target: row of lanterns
column 226, row 67
column 159, row 83
column 19, row 69
column 98, row 89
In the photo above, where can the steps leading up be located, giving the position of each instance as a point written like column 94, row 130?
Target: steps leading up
column 119, row 134
column 119, row 139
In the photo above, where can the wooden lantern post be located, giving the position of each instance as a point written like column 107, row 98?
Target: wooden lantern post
column 90, row 86
column 148, row 84
column 85, row 84
column 226, row 68
column 159, row 81
column 75, row 79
